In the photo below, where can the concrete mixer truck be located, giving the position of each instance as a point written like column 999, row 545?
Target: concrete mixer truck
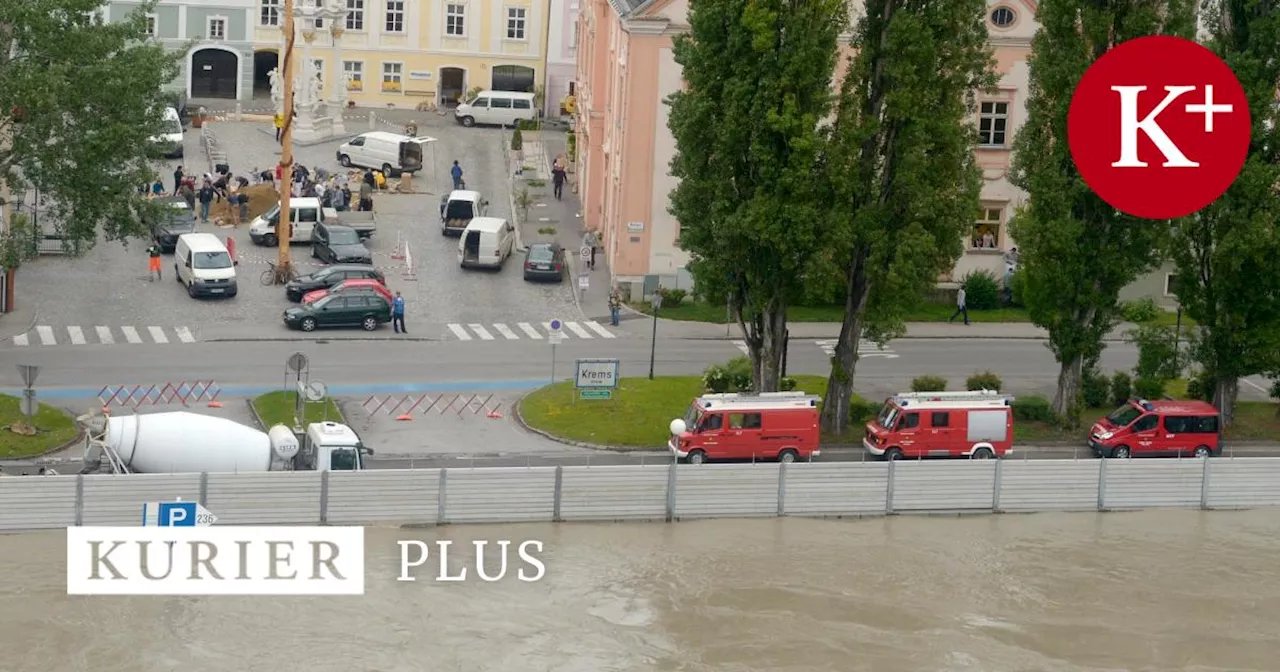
column 183, row 442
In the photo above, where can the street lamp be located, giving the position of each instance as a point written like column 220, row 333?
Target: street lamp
column 656, row 302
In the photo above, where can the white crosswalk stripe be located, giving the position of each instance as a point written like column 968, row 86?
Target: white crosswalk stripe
column 157, row 335
column 459, row 332
column 104, row 335
column 77, row 335
column 599, row 329
column 742, row 346
column 577, row 330
column 184, row 335
column 481, row 332
column 131, row 334
column 21, row 340
column 46, row 335
column 865, row 349
column 530, row 331
column 506, row 332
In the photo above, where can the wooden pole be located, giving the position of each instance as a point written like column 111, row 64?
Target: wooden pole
column 284, row 229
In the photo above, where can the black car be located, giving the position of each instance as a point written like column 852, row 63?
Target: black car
column 544, row 261
column 362, row 309
column 176, row 220
column 328, row 277
column 335, row 244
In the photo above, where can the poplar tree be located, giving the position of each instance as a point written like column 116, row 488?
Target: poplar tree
column 79, row 100
column 1076, row 252
column 1228, row 254
column 746, row 127
column 903, row 184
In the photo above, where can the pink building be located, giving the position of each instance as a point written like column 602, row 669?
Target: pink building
column 626, row 70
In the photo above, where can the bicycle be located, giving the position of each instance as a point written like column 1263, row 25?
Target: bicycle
column 278, row 275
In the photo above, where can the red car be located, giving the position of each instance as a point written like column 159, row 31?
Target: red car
column 347, row 285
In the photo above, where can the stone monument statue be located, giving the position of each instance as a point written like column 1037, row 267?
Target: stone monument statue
column 277, row 89
column 313, row 96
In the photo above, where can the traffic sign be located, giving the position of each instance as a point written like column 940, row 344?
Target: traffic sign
column 555, row 325
column 176, row 514
column 556, row 338
column 595, row 394
column 29, row 374
column 585, row 252
column 584, row 282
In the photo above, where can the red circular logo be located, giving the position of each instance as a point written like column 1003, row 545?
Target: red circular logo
column 1159, row 127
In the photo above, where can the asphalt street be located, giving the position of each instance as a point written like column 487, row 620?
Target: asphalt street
column 438, row 292
column 352, row 368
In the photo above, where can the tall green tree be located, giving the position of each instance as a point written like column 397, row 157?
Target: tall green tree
column 79, row 99
column 746, row 127
column 903, row 184
column 1076, row 252
column 1228, row 255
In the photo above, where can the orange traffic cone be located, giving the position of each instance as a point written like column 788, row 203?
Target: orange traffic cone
column 215, row 404
column 493, row 415
column 404, row 418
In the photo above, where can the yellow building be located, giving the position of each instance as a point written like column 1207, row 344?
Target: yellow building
column 411, row 53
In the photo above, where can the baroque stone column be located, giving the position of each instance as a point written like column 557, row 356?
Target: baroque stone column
column 338, row 93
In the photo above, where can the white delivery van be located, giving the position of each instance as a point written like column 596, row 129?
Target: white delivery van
column 169, row 141
column 497, row 108
column 202, row 263
column 458, row 208
column 391, row 153
column 486, row 243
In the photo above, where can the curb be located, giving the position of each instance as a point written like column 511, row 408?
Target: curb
column 42, row 458
column 519, row 416
column 35, row 317
column 285, row 339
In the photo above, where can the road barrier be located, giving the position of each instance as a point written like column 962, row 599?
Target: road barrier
column 655, row 492
column 181, row 392
column 410, row 273
column 404, row 407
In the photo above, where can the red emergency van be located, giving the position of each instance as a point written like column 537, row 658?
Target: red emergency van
column 978, row 425
column 771, row 425
column 1141, row 427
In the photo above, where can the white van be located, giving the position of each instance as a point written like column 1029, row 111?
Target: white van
column 486, row 243
column 391, row 153
column 497, row 108
column 202, row 263
column 169, row 142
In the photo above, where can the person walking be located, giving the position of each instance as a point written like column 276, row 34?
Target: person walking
column 206, row 195
column 177, row 179
column 397, row 314
column 589, row 241
column 366, row 197
column 615, row 306
column 558, row 178
column 961, row 307
column 456, row 172
column 279, row 122
column 153, row 260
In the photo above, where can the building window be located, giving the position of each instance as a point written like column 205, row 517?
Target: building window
column 270, row 13
column 986, row 231
column 573, row 38
column 1170, row 284
column 455, row 20
column 355, row 14
column 353, row 72
column 395, row 16
column 1003, row 17
column 993, row 124
column 515, row 23
column 391, row 77
column 217, row 28
column 151, row 25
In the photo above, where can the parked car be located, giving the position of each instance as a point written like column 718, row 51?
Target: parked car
column 1142, row 427
column 544, row 262
column 364, row 309
column 304, row 215
column 334, row 244
column 977, row 425
column 497, row 108
column 781, row 425
column 486, row 243
column 458, row 208
column 375, row 286
column 176, row 220
column 168, row 143
column 392, row 153
column 328, row 277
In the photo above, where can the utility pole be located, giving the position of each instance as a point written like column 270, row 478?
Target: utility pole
column 284, row 228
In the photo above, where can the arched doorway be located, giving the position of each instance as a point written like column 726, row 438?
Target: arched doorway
column 512, row 78
column 453, row 85
column 214, row 73
column 264, row 61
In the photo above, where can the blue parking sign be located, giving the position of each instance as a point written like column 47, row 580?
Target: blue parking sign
column 177, row 514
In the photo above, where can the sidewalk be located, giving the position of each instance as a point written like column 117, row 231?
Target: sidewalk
column 831, row 330
column 20, row 320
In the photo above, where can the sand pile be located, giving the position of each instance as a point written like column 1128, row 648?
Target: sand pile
column 262, row 197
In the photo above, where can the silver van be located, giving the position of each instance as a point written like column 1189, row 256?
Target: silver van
column 497, row 108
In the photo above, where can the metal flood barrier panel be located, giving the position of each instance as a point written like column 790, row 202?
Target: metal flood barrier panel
column 648, row 492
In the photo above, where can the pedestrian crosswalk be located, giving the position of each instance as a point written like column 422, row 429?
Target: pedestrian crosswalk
column 865, row 349
column 45, row 335
column 473, row 331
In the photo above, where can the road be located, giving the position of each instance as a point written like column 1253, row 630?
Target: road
column 353, row 368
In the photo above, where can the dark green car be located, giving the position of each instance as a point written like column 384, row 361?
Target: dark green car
column 366, row 310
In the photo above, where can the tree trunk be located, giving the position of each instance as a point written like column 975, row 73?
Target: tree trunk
column 765, row 335
column 844, row 363
column 1225, row 391
column 1065, row 400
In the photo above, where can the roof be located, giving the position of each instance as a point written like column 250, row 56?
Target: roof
column 464, row 195
column 332, row 433
column 758, row 402
column 625, row 8
column 1183, row 406
column 196, row 241
column 486, row 224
